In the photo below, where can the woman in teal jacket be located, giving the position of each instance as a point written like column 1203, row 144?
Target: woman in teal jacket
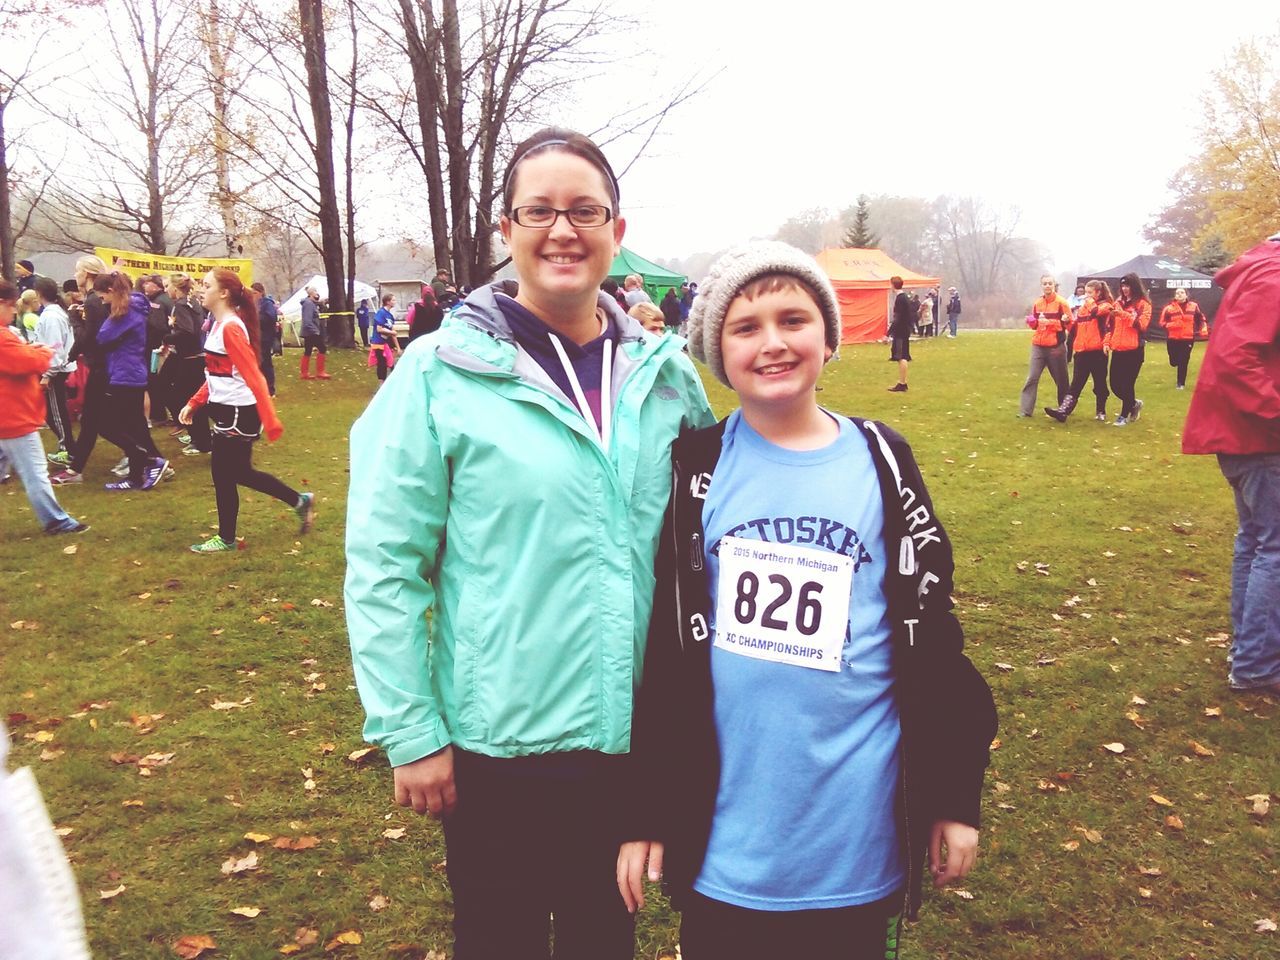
column 510, row 479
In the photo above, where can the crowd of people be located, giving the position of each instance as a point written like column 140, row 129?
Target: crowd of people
column 127, row 356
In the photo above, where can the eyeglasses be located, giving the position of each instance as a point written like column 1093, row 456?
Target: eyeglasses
column 543, row 217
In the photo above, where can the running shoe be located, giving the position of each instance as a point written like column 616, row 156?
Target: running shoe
column 1100, row 417
column 214, row 544
column 75, row 527
column 169, row 474
column 66, row 476
column 122, row 485
column 61, row 458
column 155, row 470
column 1120, row 422
column 191, row 451
column 184, row 438
column 1137, row 411
column 306, row 511
column 121, row 469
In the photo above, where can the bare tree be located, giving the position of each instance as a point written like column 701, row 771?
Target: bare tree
column 219, row 37
column 141, row 169
column 983, row 243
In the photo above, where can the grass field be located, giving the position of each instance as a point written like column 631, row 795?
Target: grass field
column 172, row 705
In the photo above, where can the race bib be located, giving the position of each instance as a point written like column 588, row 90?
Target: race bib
column 783, row 603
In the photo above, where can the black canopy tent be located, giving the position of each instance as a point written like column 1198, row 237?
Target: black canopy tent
column 1161, row 276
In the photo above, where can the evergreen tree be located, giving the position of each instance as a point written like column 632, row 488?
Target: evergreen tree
column 1210, row 254
column 859, row 232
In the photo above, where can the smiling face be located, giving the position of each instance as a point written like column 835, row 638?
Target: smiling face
column 774, row 346
column 560, row 267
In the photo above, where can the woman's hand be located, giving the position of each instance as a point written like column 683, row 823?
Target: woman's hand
column 632, row 857
column 185, row 414
column 427, row 784
column 961, row 850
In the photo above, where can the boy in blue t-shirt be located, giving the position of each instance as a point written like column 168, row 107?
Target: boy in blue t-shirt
column 808, row 730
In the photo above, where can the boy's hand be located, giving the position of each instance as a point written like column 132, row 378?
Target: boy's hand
column 427, row 784
column 631, row 861
column 961, row 843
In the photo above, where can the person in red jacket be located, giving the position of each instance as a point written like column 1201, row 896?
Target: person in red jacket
column 1126, row 342
column 1049, row 318
column 1235, row 413
column 1092, row 322
column 22, row 417
column 240, row 409
column 1182, row 319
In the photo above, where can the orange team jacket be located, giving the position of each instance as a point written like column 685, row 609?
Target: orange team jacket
column 1092, row 322
column 1182, row 320
column 244, row 363
column 1057, row 313
column 22, row 365
column 1128, row 323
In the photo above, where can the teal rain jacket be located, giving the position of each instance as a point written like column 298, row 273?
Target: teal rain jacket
column 480, row 494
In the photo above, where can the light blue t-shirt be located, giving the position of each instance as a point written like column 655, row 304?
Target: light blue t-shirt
column 805, row 812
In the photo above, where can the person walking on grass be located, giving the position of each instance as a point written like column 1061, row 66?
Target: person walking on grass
column 1092, row 323
column 1126, row 342
column 833, row 661
column 53, row 329
column 85, row 350
column 1049, row 319
column 1182, row 319
column 382, row 353
column 1235, row 414
column 22, row 415
column 240, row 409
column 901, row 322
column 523, row 511
column 313, row 337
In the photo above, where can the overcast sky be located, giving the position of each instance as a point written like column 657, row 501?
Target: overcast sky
column 1077, row 113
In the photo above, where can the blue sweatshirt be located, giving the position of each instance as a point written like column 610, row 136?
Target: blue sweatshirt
column 124, row 339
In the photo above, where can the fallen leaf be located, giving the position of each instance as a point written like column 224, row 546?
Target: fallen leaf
column 64, row 831
column 302, row 843
column 1264, row 925
column 258, row 837
column 108, row 894
column 289, row 948
column 231, row 705
column 963, row 894
column 1161, row 801
column 327, row 748
column 1093, row 836
column 1092, row 582
column 232, row 865
column 71, row 549
column 346, row 938
column 1173, row 822
column 192, row 946
column 132, row 803
column 249, row 912
column 355, row 756
column 306, row 936
column 47, row 754
column 1114, row 747
column 1144, row 893
column 317, row 602
column 1071, row 845
column 1150, row 871
column 287, row 606
column 144, row 596
column 1199, row 749
column 1006, row 667
column 1261, row 805
column 1137, row 701
column 155, row 760
column 1107, row 553
column 394, row 834
column 1213, row 711
column 40, row 736
column 379, row 902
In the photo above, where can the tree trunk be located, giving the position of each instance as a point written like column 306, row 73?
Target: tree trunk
column 313, row 41
column 424, row 64
column 349, row 322
column 216, row 40
column 456, row 144
column 7, row 257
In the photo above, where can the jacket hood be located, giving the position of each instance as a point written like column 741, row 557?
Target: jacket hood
column 481, row 310
column 1267, row 250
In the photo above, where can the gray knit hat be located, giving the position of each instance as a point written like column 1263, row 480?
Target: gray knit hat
column 733, row 271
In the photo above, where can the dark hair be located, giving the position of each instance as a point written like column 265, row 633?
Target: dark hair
column 116, row 286
column 564, row 141
column 257, row 285
column 895, row 282
column 8, row 291
column 70, row 286
column 387, row 298
column 1104, row 289
column 609, row 286
column 1135, row 285
column 47, row 288
column 241, row 302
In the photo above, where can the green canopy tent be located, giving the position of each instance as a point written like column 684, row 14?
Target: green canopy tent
column 657, row 280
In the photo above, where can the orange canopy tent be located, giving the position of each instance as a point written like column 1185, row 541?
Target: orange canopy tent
column 861, row 278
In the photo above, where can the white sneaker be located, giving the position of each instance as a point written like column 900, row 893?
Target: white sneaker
column 121, row 469
column 1137, row 411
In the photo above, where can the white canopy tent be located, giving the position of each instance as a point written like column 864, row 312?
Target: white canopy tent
column 291, row 309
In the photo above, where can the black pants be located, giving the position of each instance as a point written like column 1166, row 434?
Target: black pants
column 1125, row 365
column 232, row 465
column 57, row 416
column 268, row 369
column 314, row 342
column 124, row 424
column 364, row 334
column 1179, row 357
column 380, row 358
column 712, row 930
column 91, row 416
column 531, row 837
column 1090, row 363
column 167, row 390
column 190, row 378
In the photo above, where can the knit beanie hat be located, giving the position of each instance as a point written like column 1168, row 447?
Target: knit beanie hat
column 733, row 271
column 31, row 267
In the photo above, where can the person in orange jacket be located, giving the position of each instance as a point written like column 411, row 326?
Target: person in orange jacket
column 1182, row 319
column 1092, row 322
column 1050, row 317
column 1126, row 341
column 22, row 415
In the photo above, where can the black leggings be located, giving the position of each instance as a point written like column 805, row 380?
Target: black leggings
column 124, row 425
column 57, row 416
column 1179, row 357
column 1125, row 365
column 232, row 466
column 92, row 413
column 1090, row 363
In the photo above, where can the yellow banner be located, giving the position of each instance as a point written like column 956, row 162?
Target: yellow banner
column 137, row 264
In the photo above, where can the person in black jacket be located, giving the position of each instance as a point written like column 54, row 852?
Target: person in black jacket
column 900, row 324
column 800, row 555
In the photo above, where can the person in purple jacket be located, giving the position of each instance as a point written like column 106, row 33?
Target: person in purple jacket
column 123, row 338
